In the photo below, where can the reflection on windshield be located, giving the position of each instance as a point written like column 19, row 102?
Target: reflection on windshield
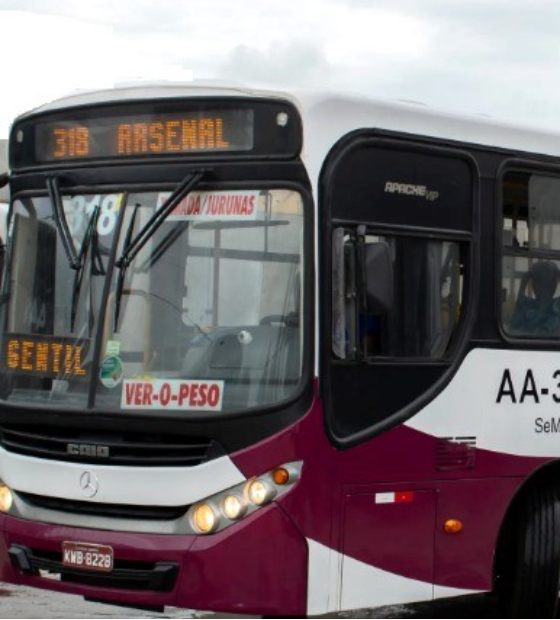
column 54, row 303
column 210, row 307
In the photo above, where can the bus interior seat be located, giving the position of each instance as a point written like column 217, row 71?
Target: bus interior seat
column 537, row 307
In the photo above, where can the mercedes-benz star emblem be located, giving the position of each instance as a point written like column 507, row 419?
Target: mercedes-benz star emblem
column 89, row 484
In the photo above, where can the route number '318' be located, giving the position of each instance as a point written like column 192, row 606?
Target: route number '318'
column 79, row 210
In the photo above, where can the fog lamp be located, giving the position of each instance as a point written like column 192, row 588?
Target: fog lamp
column 206, row 519
column 6, row 498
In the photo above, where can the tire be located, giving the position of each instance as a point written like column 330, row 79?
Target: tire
column 532, row 580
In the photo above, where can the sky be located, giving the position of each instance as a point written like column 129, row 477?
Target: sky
column 499, row 58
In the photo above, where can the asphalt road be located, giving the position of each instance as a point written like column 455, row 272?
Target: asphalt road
column 18, row 602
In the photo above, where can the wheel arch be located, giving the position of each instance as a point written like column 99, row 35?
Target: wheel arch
column 547, row 474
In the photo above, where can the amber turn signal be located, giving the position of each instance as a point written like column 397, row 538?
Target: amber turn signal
column 281, row 477
column 453, row 526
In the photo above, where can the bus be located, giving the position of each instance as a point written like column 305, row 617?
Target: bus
column 4, row 199
column 282, row 354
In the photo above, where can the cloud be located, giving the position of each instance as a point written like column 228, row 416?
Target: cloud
column 59, row 55
column 54, row 56
column 284, row 62
column 493, row 56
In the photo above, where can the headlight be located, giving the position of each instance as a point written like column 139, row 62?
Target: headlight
column 6, row 498
column 229, row 507
column 234, row 507
column 206, row 518
column 260, row 492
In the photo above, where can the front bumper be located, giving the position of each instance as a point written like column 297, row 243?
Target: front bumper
column 257, row 567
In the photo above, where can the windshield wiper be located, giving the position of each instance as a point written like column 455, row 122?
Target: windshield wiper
column 96, row 264
column 122, row 270
column 132, row 247
column 60, row 220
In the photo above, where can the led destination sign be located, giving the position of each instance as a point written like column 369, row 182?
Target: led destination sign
column 45, row 356
column 157, row 130
column 145, row 135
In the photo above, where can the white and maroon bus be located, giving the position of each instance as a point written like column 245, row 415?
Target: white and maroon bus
column 282, row 355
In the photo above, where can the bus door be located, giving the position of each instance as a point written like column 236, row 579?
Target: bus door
column 400, row 223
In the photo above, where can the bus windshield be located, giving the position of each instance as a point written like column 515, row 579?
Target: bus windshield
column 205, row 318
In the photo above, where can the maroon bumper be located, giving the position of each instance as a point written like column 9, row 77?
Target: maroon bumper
column 258, row 567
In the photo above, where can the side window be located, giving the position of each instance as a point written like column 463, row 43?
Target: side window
column 531, row 256
column 426, row 302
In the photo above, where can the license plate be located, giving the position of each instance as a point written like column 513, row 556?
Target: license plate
column 96, row 558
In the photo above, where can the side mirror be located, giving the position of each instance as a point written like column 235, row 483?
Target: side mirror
column 378, row 277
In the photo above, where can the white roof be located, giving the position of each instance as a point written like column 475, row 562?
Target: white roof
column 148, row 90
column 329, row 116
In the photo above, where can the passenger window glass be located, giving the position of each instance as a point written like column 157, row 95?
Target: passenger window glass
column 426, row 311
column 427, row 285
column 531, row 261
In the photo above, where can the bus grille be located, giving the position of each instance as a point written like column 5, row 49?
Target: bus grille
column 116, row 511
column 108, row 448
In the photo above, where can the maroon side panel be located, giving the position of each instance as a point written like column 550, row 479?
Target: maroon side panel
column 392, row 532
column 258, row 568
column 466, row 560
column 402, row 459
column 311, row 503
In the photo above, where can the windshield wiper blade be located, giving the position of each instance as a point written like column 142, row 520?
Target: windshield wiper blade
column 132, row 249
column 60, row 220
column 89, row 235
column 122, row 270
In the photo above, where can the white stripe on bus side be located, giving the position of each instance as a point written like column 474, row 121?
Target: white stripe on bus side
column 509, row 401
column 339, row 583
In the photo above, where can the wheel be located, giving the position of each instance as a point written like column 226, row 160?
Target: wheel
column 531, row 577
